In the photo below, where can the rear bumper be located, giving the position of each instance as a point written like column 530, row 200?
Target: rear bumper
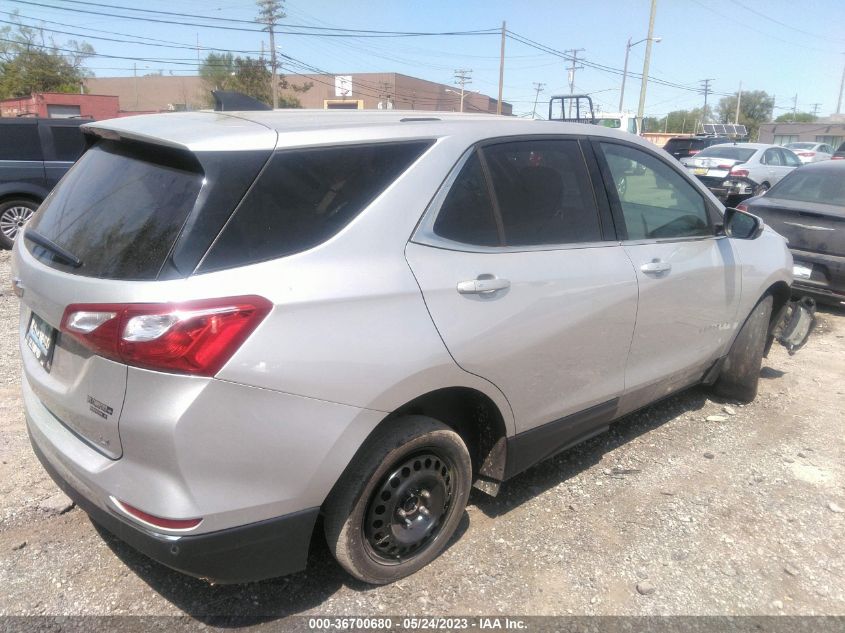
column 827, row 282
column 266, row 549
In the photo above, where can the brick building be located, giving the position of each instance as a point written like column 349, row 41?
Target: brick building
column 354, row 91
column 62, row 105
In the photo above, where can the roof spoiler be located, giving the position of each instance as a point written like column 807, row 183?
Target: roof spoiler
column 228, row 100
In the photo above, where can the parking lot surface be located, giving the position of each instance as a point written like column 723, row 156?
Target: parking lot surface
column 691, row 506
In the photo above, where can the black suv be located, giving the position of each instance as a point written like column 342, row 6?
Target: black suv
column 34, row 154
column 683, row 146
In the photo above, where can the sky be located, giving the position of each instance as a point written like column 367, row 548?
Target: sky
column 784, row 47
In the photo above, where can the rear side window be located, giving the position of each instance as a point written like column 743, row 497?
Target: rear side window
column 466, row 214
column 304, row 197
column 544, row 193
column 68, row 142
column 120, row 209
column 20, row 142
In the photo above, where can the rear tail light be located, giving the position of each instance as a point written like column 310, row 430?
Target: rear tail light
column 151, row 519
column 194, row 337
column 742, row 206
column 723, row 166
column 739, row 173
column 837, row 158
column 693, row 152
column 810, row 154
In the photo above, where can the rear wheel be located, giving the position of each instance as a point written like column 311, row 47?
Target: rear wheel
column 14, row 214
column 740, row 373
column 399, row 502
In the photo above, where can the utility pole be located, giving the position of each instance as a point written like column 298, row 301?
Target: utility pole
column 841, row 86
column 463, row 77
column 501, row 68
column 646, row 62
column 816, row 107
column 573, row 56
column 539, row 88
column 794, row 107
column 269, row 13
column 706, row 89
column 738, row 101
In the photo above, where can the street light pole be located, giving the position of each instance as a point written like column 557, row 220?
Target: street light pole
column 649, row 40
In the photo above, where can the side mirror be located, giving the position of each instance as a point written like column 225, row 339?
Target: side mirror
column 742, row 225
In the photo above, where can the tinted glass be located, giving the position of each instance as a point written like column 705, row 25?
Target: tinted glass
column 466, row 214
column 789, row 159
column 812, row 185
column 119, row 209
column 19, row 142
column 304, row 197
column 677, row 144
column 730, row 152
column 68, row 142
column 655, row 200
column 544, row 193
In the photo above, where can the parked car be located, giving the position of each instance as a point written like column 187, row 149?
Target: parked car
column 811, row 152
column 232, row 324
column 839, row 154
column 739, row 170
column 34, row 154
column 808, row 208
column 683, row 146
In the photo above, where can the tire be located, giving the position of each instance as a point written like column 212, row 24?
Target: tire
column 740, row 373
column 759, row 190
column 14, row 214
column 399, row 502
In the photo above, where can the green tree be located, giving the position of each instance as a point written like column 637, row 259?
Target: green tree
column 249, row 75
column 679, row 121
column 755, row 107
column 798, row 117
column 30, row 62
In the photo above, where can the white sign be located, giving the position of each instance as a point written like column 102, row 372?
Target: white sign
column 343, row 86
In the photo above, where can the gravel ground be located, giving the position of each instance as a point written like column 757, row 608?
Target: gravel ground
column 691, row 506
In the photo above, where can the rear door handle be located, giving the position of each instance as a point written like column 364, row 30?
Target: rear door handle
column 482, row 286
column 655, row 268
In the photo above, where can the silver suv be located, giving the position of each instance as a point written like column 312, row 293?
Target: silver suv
column 233, row 323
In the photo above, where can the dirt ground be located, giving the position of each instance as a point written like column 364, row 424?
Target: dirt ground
column 691, row 506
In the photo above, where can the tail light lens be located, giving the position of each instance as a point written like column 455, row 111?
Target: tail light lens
column 809, row 154
column 195, row 337
column 739, row 173
column 742, row 206
column 723, row 166
column 693, row 152
column 837, row 158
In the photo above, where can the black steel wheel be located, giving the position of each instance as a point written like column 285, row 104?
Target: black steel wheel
column 399, row 502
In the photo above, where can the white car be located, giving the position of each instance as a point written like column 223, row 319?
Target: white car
column 738, row 170
column 811, row 152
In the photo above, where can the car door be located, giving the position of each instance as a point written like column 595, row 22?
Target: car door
column 776, row 167
column 689, row 283
column 526, row 283
column 789, row 160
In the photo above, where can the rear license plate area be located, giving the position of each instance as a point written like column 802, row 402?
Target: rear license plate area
column 41, row 340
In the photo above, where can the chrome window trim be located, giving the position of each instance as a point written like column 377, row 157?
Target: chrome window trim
column 424, row 233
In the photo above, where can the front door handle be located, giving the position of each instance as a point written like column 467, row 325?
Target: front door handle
column 656, row 267
column 482, row 286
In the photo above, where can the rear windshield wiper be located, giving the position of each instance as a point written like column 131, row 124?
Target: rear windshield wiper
column 59, row 252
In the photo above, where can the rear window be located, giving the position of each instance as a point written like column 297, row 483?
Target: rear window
column 19, row 141
column 306, row 196
column 741, row 154
column 119, row 209
column 801, row 145
column 677, row 144
column 822, row 186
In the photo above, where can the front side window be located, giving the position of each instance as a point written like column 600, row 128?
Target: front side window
column 656, row 202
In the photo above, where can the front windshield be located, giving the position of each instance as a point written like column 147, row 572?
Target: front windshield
column 730, row 152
